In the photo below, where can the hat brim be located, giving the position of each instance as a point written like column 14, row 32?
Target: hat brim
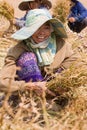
column 47, row 3
column 24, row 5
column 58, row 27
column 27, row 32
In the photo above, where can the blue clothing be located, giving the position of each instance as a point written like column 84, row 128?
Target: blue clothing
column 20, row 22
column 78, row 11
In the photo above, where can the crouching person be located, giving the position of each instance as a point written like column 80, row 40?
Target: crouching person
column 41, row 50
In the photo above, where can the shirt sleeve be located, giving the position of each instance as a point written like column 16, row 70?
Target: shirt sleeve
column 70, row 57
column 8, row 72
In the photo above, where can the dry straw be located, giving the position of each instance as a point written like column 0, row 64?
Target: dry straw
column 6, row 17
column 6, row 10
column 61, row 10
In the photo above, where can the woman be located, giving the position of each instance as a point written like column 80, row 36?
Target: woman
column 27, row 5
column 41, row 51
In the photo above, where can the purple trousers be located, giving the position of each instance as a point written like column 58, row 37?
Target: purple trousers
column 29, row 70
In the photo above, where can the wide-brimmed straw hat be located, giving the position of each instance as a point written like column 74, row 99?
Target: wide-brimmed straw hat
column 34, row 20
column 24, row 4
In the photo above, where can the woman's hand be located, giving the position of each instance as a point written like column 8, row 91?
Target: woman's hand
column 71, row 19
column 38, row 87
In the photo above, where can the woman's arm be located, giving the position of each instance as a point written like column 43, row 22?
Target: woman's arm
column 70, row 57
column 8, row 82
column 8, row 72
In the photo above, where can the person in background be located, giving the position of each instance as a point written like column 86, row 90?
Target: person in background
column 77, row 19
column 27, row 5
column 41, row 50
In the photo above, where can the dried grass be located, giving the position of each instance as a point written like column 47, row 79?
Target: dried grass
column 6, row 10
column 6, row 17
column 66, row 111
column 61, row 10
column 35, row 113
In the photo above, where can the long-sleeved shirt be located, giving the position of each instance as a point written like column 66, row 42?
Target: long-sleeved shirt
column 64, row 57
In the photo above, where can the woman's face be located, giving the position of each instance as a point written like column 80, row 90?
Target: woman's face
column 42, row 33
column 34, row 4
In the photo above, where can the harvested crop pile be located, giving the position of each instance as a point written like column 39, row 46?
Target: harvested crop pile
column 6, row 16
column 6, row 10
